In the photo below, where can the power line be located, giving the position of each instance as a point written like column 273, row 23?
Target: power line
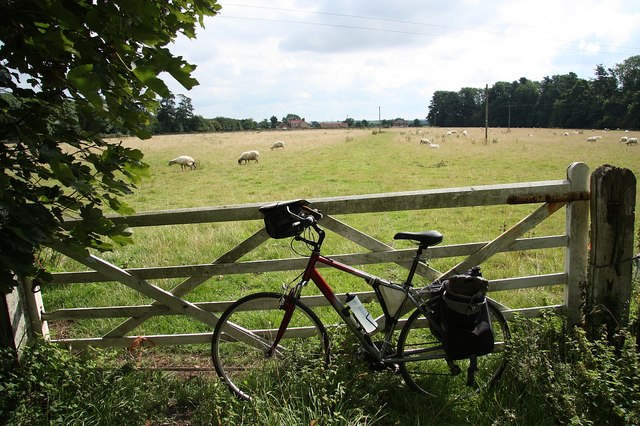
column 415, row 33
column 404, row 22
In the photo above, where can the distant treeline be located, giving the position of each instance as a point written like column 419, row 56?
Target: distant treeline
column 609, row 100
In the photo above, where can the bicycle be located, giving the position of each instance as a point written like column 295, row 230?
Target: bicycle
column 262, row 335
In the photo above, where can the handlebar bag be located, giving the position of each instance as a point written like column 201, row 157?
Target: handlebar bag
column 279, row 221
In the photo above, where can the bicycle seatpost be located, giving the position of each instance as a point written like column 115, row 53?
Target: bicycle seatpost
column 416, row 260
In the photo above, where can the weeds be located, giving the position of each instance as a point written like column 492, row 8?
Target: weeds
column 555, row 375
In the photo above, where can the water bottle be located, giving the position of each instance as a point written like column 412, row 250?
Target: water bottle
column 362, row 316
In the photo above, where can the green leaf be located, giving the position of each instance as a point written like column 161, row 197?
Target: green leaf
column 62, row 172
column 83, row 79
column 149, row 77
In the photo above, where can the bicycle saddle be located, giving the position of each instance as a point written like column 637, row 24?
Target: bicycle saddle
column 429, row 238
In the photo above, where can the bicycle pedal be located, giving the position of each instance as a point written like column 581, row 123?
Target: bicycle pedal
column 455, row 369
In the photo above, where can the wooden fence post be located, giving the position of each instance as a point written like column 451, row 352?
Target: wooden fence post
column 577, row 228
column 21, row 317
column 14, row 333
column 613, row 195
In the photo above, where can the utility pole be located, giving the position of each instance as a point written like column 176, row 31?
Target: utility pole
column 509, row 115
column 486, row 114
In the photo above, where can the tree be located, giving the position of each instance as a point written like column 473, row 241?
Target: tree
column 628, row 74
column 609, row 97
column 67, row 66
column 524, row 97
column 444, row 109
column 577, row 107
column 471, row 106
column 166, row 115
column 184, row 115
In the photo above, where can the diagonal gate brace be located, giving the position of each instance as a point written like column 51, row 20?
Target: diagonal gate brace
column 191, row 283
column 115, row 273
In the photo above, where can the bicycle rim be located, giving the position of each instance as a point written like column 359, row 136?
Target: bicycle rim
column 433, row 376
column 241, row 361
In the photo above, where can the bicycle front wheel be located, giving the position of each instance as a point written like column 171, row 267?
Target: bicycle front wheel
column 245, row 332
column 426, row 369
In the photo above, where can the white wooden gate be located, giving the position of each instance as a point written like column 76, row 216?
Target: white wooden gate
column 546, row 198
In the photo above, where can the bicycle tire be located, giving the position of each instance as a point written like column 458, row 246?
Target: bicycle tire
column 433, row 376
column 245, row 368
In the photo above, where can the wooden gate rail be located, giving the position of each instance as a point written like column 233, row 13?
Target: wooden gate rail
column 549, row 196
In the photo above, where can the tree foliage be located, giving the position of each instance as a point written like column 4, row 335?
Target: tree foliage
column 69, row 72
column 611, row 99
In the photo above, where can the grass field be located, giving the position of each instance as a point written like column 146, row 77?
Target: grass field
column 554, row 375
column 318, row 163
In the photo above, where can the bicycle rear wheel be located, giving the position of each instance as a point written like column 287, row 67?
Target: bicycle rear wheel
column 245, row 332
column 429, row 371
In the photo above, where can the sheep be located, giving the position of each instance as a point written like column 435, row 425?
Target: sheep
column 277, row 144
column 464, row 133
column 592, row 138
column 428, row 143
column 624, row 139
column 184, row 161
column 247, row 156
column 632, row 141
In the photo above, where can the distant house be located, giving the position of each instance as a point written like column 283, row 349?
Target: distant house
column 294, row 124
column 400, row 123
column 333, row 125
column 298, row 124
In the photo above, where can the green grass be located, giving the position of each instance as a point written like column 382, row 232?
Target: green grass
column 555, row 376
column 332, row 163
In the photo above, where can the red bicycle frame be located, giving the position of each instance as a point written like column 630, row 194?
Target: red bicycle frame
column 311, row 273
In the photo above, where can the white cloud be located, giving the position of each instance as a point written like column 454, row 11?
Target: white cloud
column 325, row 60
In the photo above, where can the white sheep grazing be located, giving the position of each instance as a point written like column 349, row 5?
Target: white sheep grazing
column 425, row 141
column 464, row 133
column 592, row 139
column 434, row 145
column 184, row 161
column 248, row 156
column 624, row 139
column 277, row 144
column 632, row 141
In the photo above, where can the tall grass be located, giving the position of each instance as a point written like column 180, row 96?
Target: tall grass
column 554, row 376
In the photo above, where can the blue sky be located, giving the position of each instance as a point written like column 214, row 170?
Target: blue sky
column 330, row 60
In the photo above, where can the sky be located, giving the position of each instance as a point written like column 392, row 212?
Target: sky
column 365, row 59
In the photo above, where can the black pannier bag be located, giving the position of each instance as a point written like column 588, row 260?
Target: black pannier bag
column 461, row 315
column 279, row 222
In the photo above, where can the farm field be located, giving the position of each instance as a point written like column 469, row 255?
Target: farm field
column 323, row 163
column 326, row 163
